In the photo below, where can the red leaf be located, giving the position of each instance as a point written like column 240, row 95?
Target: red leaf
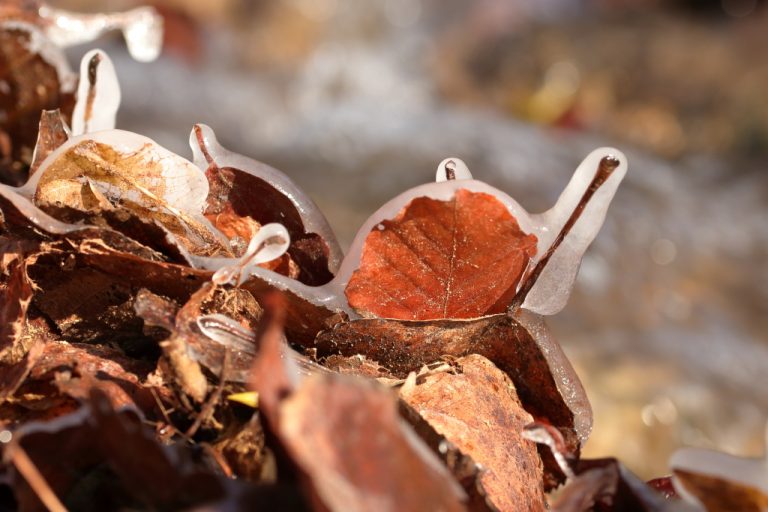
column 461, row 258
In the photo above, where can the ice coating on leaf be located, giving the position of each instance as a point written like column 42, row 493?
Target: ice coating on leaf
column 142, row 28
column 271, row 242
column 116, row 167
column 98, row 94
column 41, row 45
column 748, row 474
column 179, row 183
column 442, row 191
column 552, row 289
column 206, row 150
column 452, row 169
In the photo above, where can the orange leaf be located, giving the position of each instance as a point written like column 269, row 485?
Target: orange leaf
column 437, row 259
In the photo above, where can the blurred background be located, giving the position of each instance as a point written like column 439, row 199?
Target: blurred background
column 357, row 101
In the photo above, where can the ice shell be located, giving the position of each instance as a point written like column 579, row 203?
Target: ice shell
column 551, row 291
column 142, row 28
column 205, row 146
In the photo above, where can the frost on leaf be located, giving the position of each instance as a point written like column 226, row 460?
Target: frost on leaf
column 461, row 258
column 475, row 406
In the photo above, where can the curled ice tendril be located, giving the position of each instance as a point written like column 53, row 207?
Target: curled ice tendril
column 227, row 332
column 271, row 242
column 98, row 94
column 142, row 29
column 230, row 334
column 452, row 169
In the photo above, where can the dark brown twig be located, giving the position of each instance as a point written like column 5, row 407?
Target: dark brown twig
column 605, row 168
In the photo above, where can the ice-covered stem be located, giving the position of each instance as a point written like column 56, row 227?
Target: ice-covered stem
column 605, row 168
column 141, row 27
column 98, row 94
column 452, row 169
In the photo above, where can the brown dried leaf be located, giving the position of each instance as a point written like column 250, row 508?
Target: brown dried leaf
column 240, row 200
column 477, row 409
column 99, row 459
column 16, row 293
column 52, row 132
column 326, row 426
column 519, row 346
column 59, row 375
column 606, row 485
column 461, row 258
column 147, row 181
column 34, row 85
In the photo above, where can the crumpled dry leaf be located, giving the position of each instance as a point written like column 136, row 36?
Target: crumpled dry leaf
column 207, row 302
column 719, row 481
column 118, row 169
column 38, row 78
column 520, row 346
column 475, row 406
column 245, row 194
column 460, row 258
column 606, row 485
column 324, row 424
column 100, row 459
column 61, row 374
column 52, row 132
column 16, row 292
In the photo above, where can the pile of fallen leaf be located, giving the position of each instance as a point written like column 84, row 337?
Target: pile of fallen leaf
column 181, row 334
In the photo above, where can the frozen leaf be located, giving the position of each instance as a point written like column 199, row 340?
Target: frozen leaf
column 606, row 485
column 38, row 78
column 243, row 190
column 719, row 481
column 476, row 408
column 520, row 346
column 561, row 235
column 460, row 258
column 134, row 173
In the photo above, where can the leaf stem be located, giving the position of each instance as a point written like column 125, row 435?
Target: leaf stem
column 605, row 168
